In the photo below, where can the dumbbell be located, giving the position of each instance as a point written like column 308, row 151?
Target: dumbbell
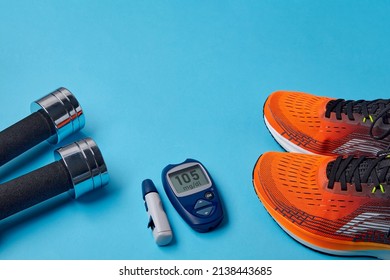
column 54, row 117
column 79, row 168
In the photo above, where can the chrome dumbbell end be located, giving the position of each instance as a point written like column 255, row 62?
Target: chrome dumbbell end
column 63, row 110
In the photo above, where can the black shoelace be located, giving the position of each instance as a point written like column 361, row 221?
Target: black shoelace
column 360, row 170
column 372, row 111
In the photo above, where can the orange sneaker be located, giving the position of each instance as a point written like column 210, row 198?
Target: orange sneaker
column 337, row 205
column 305, row 123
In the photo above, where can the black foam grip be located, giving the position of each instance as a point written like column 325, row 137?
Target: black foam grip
column 24, row 135
column 33, row 188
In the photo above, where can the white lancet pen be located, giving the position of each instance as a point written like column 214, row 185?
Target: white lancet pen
column 158, row 220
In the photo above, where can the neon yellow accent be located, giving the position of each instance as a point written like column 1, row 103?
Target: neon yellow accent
column 370, row 117
column 382, row 188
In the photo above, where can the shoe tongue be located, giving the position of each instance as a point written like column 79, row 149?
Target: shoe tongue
column 363, row 166
column 372, row 107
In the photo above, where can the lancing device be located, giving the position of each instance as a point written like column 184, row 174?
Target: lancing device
column 158, row 220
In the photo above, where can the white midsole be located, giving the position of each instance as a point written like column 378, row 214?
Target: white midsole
column 381, row 254
column 287, row 145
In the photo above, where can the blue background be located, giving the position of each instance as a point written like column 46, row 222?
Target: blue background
column 161, row 81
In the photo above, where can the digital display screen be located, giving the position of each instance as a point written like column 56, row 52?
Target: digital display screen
column 188, row 179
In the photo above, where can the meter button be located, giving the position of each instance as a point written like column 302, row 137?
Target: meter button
column 209, row 195
column 205, row 211
column 201, row 203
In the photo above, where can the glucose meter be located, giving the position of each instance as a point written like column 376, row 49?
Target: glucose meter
column 194, row 195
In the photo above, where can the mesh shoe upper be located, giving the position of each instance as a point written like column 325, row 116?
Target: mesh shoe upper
column 327, row 126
